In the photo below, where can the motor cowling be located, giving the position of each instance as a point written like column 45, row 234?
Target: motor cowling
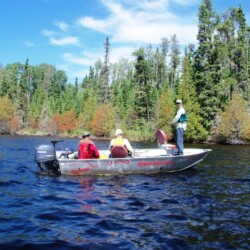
column 45, row 157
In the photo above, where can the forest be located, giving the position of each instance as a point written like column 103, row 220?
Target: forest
column 212, row 78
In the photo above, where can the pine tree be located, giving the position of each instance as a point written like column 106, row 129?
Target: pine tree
column 6, row 112
column 4, row 86
column 87, row 109
column 207, row 71
column 241, row 53
column 248, row 61
column 105, row 92
column 187, row 92
column 174, row 62
column 25, row 90
column 165, row 112
column 10, row 81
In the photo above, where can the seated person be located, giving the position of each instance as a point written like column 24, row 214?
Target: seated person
column 87, row 148
column 119, row 146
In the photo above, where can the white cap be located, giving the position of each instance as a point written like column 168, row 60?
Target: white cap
column 179, row 101
column 118, row 132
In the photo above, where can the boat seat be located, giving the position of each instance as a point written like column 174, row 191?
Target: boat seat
column 162, row 141
column 119, row 152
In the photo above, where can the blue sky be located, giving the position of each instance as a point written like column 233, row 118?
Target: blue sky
column 70, row 33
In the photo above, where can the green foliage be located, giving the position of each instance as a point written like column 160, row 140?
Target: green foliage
column 103, row 121
column 139, row 95
column 6, row 111
column 187, row 92
column 88, row 109
column 206, row 67
column 144, row 80
column 104, row 77
column 174, row 63
column 166, row 112
column 46, row 124
column 6, row 108
column 235, row 121
column 144, row 131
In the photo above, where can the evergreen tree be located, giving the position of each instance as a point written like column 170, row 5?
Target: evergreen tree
column 47, row 76
column 241, row 53
column 10, row 81
column 105, row 92
column 160, row 69
column 58, row 84
column 165, row 112
column 25, row 90
column 206, row 65
column 68, row 99
column 225, row 43
column 187, row 92
column 174, row 62
column 37, row 103
column 164, row 51
column 45, row 121
column 248, row 61
column 4, row 86
column 6, row 112
column 231, row 44
column 144, row 83
column 88, row 108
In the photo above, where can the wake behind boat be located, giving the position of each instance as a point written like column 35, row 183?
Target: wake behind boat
column 147, row 161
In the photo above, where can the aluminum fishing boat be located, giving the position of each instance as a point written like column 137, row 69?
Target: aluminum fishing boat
column 161, row 159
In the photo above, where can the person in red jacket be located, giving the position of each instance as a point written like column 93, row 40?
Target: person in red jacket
column 87, row 148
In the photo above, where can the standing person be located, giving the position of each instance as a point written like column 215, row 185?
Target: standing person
column 87, row 148
column 180, row 120
column 119, row 146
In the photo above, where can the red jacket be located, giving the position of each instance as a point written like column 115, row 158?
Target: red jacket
column 87, row 151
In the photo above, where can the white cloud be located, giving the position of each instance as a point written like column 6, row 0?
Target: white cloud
column 143, row 22
column 64, row 41
column 130, row 24
column 156, row 4
column 87, row 59
column 72, row 72
column 48, row 33
column 98, row 25
column 78, row 66
column 62, row 25
column 29, row 44
column 186, row 2
column 117, row 53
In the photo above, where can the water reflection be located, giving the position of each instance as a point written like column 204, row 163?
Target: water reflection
column 86, row 187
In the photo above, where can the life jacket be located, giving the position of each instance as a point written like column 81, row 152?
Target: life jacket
column 183, row 118
column 118, row 142
column 119, row 152
column 87, row 151
column 118, row 148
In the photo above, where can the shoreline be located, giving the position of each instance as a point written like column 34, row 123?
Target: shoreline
column 23, row 133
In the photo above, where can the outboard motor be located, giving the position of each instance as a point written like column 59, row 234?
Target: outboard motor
column 45, row 158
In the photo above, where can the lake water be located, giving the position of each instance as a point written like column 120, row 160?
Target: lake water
column 207, row 207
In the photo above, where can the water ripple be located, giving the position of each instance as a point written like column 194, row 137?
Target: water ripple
column 206, row 207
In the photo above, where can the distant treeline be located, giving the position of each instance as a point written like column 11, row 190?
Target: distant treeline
column 138, row 96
